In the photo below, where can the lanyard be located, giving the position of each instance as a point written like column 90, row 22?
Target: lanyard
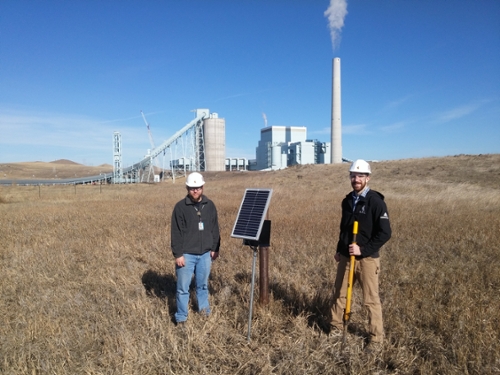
column 201, row 226
column 198, row 211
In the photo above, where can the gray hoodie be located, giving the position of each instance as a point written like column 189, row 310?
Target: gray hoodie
column 186, row 236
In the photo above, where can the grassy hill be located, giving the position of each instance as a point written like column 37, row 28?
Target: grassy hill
column 58, row 169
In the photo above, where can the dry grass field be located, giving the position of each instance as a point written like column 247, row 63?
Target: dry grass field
column 88, row 283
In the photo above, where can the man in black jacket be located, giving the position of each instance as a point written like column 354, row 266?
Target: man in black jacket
column 368, row 208
column 195, row 241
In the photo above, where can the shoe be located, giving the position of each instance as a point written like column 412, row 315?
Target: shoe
column 181, row 325
column 205, row 313
column 373, row 348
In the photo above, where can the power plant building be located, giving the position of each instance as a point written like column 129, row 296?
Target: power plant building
column 283, row 146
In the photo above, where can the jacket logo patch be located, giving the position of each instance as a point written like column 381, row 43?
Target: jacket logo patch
column 385, row 216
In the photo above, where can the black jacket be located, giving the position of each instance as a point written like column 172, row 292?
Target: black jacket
column 374, row 228
column 185, row 235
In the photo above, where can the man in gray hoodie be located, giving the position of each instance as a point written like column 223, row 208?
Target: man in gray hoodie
column 195, row 241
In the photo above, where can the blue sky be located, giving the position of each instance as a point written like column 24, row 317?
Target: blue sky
column 419, row 77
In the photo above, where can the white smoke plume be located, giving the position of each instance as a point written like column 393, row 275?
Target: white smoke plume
column 336, row 13
column 265, row 119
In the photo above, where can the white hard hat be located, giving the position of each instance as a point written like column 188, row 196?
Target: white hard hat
column 360, row 166
column 195, row 179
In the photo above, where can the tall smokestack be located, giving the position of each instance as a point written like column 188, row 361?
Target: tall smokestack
column 336, row 146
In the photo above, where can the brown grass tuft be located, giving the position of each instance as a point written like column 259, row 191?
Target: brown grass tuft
column 88, row 284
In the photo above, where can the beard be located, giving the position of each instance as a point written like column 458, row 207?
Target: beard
column 359, row 186
column 195, row 196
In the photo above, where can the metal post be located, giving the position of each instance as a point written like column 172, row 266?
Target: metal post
column 264, row 242
column 264, row 275
column 251, row 292
column 172, row 165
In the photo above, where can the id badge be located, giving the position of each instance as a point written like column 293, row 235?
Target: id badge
column 200, row 225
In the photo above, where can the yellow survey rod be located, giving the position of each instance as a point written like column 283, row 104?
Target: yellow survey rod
column 347, row 310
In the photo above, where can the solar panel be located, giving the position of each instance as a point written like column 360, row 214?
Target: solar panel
column 252, row 214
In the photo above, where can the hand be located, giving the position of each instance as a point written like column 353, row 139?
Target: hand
column 354, row 249
column 214, row 255
column 337, row 257
column 180, row 262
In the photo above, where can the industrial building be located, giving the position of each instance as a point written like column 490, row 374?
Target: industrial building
column 237, row 164
column 201, row 145
column 283, row 146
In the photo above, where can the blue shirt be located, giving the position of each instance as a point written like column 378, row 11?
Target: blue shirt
column 355, row 197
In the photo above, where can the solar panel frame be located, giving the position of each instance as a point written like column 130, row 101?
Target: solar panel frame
column 252, row 214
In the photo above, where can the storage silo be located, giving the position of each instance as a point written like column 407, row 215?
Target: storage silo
column 214, row 133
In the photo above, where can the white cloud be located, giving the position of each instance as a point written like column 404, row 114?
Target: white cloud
column 396, row 103
column 458, row 112
column 394, row 128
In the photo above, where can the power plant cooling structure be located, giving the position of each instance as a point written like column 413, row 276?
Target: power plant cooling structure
column 336, row 114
